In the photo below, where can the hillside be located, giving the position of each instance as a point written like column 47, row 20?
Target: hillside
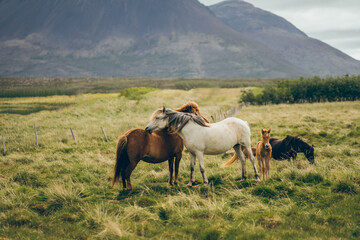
column 155, row 38
column 290, row 43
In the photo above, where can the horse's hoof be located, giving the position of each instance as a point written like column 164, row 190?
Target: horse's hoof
column 171, row 183
column 176, row 183
column 243, row 180
column 206, row 183
column 190, row 184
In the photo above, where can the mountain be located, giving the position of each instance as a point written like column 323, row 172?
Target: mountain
column 288, row 42
column 157, row 39
column 128, row 38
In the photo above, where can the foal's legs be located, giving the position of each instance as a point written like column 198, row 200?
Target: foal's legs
column 192, row 169
column 171, row 170
column 200, row 156
column 242, row 159
column 267, row 159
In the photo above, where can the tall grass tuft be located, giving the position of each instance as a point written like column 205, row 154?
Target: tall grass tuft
column 345, row 187
column 63, row 194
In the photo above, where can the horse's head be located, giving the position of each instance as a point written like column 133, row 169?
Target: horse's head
column 265, row 138
column 309, row 154
column 158, row 121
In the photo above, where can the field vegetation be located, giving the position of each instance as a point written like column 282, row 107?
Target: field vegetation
column 37, row 87
column 315, row 89
column 61, row 189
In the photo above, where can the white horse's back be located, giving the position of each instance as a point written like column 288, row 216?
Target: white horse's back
column 218, row 138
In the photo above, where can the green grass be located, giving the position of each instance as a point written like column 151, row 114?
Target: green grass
column 61, row 190
column 36, row 87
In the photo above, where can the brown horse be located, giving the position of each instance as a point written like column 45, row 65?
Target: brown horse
column 263, row 154
column 137, row 144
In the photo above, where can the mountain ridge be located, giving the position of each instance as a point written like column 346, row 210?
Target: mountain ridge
column 290, row 43
column 130, row 38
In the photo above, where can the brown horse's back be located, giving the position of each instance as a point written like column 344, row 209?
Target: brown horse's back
column 154, row 148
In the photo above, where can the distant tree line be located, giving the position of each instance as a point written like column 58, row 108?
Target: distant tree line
column 315, row 89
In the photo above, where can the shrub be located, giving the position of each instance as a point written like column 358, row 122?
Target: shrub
column 313, row 89
column 136, row 93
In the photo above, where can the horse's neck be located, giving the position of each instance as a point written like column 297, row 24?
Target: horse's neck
column 299, row 145
column 188, row 130
column 303, row 146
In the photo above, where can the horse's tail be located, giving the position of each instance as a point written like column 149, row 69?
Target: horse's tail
column 228, row 163
column 121, row 158
column 235, row 156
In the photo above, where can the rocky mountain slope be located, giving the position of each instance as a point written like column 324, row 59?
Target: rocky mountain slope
column 136, row 38
column 290, row 43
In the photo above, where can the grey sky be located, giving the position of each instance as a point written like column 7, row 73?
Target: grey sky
column 335, row 22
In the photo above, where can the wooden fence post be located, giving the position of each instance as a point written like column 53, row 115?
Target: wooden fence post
column 72, row 132
column 106, row 138
column 37, row 143
column 3, row 138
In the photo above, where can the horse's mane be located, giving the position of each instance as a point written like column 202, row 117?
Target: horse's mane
column 191, row 107
column 177, row 120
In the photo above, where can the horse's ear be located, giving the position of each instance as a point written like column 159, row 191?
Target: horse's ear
column 269, row 130
column 164, row 109
column 312, row 146
column 262, row 131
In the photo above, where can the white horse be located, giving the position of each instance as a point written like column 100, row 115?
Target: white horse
column 202, row 138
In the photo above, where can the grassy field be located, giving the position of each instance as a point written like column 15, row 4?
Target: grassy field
column 35, row 87
column 61, row 190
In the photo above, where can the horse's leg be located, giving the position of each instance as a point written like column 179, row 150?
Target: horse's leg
column 177, row 163
column 123, row 175
column 192, row 169
column 264, row 168
column 200, row 156
column 128, row 172
column 171, row 170
column 123, row 179
column 242, row 159
column 248, row 150
column 294, row 156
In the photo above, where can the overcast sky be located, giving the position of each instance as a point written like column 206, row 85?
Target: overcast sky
column 335, row 22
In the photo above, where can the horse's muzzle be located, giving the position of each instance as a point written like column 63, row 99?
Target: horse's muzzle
column 267, row 146
column 148, row 130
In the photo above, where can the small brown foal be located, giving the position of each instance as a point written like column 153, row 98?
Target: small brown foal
column 263, row 154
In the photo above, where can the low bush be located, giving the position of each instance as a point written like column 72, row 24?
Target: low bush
column 136, row 93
